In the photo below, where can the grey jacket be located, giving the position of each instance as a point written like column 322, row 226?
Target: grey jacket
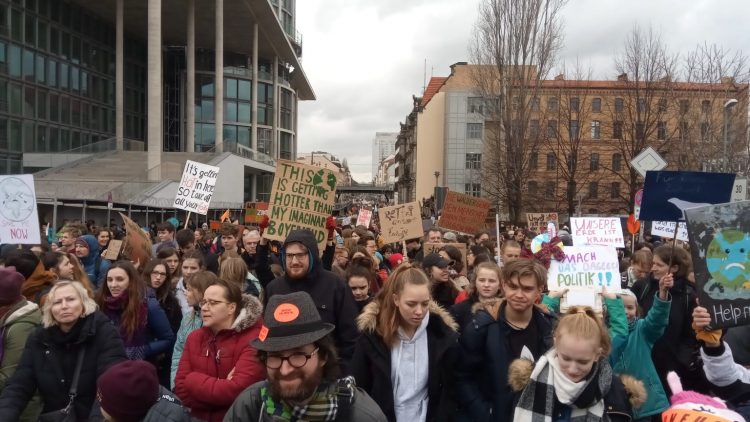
column 248, row 407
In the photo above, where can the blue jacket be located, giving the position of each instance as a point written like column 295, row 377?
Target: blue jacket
column 96, row 267
column 631, row 355
column 191, row 321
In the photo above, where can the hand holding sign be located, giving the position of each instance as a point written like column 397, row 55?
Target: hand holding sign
column 665, row 283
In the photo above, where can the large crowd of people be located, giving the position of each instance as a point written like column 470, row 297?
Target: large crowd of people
column 226, row 325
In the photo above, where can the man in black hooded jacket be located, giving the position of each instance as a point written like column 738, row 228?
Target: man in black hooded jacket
column 304, row 272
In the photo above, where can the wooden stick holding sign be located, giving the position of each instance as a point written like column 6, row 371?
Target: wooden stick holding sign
column 187, row 220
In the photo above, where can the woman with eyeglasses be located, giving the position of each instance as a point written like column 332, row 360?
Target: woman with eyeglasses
column 455, row 266
column 218, row 363
column 142, row 323
column 157, row 275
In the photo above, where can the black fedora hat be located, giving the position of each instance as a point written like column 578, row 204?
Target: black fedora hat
column 290, row 321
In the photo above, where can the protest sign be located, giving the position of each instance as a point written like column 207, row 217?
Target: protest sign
column 364, row 217
column 435, row 247
column 196, row 187
column 665, row 229
column 19, row 221
column 346, row 221
column 137, row 244
column 603, row 231
column 720, row 248
column 400, row 222
column 538, row 221
column 113, row 250
column 302, row 197
column 586, row 268
column 667, row 193
column 464, row 213
column 255, row 211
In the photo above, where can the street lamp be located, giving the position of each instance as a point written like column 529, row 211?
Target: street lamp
column 727, row 105
column 437, row 174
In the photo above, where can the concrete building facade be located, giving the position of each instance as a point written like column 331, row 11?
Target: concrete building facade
column 330, row 162
column 383, row 145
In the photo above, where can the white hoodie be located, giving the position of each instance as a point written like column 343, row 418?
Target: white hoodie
column 409, row 373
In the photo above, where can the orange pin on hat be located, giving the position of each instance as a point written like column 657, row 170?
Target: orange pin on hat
column 286, row 312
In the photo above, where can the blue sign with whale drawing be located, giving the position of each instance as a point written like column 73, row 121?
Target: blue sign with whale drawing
column 720, row 247
column 666, row 194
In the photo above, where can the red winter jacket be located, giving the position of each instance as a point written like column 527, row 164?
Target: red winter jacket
column 201, row 381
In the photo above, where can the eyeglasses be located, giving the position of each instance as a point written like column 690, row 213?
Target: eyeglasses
column 296, row 360
column 451, row 263
column 210, row 303
column 159, row 273
column 299, row 256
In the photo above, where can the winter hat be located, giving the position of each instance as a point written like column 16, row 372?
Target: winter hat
column 10, row 285
column 127, row 390
column 395, row 260
column 290, row 321
column 690, row 405
column 450, row 236
column 81, row 242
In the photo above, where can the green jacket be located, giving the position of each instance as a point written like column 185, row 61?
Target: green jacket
column 17, row 326
column 617, row 321
column 631, row 355
column 190, row 322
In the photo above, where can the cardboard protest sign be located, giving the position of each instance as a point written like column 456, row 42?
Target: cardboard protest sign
column 137, row 244
column 196, row 187
column 667, row 193
column 364, row 217
column 603, row 231
column 255, row 211
column 666, row 229
column 720, row 248
column 435, row 247
column 302, row 197
column 19, row 221
column 113, row 250
column 538, row 221
column 464, row 213
column 586, row 268
column 400, row 222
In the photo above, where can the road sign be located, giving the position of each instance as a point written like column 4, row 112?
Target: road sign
column 739, row 190
column 648, row 160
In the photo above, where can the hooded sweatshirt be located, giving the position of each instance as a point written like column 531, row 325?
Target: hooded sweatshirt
column 96, row 268
column 409, row 374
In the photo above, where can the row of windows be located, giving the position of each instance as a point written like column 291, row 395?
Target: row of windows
column 574, row 130
column 205, row 138
column 478, row 105
column 550, row 189
column 572, row 161
column 28, row 136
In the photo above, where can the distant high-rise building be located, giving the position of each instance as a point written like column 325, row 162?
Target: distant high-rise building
column 383, row 145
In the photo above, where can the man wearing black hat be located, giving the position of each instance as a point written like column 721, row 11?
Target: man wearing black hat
column 298, row 351
column 332, row 297
column 444, row 292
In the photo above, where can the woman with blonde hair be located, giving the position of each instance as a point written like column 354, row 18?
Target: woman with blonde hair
column 75, row 337
column 67, row 267
column 234, row 270
column 484, row 287
column 406, row 350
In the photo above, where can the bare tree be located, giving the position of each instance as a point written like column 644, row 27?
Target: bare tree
column 515, row 44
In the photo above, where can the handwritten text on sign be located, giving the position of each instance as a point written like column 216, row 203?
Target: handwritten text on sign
column 538, row 221
column 586, row 268
column 19, row 221
column 604, row 231
column 666, row 229
column 400, row 222
column 196, row 187
column 302, row 197
column 464, row 213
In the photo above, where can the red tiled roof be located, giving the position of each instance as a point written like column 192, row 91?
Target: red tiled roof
column 432, row 88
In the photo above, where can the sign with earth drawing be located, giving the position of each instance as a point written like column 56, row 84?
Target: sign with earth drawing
column 720, row 248
column 19, row 221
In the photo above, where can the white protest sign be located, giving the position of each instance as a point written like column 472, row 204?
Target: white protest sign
column 604, row 231
column 19, row 221
column 364, row 217
column 666, row 229
column 196, row 187
column 648, row 160
column 739, row 190
column 586, row 268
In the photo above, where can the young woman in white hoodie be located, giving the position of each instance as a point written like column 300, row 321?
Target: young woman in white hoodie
column 407, row 347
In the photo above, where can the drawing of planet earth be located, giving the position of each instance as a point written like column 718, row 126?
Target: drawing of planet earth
column 17, row 199
column 728, row 262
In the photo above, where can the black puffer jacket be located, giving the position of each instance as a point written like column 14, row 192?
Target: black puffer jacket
column 331, row 295
column 48, row 363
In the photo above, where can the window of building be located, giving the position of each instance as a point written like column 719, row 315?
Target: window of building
column 28, row 65
column 473, row 189
column 641, row 105
column 534, row 160
column 29, row 102
column 704, row 131
column 640, row 131
column 514, row 103
column 684, row 129
column 532, row 188
column 619, row 104
column 474, row 131
column 684, row 106
column 552, row 104
column 535, row 104
column 662, row 105
column 616, row 162
column 552, row 129
column 16, row 25
column 475, row 105
column 473, row 161
column 574, row 130
column 614, row 191
column 594, row 163
column 706, row 106
column 287, row 109
column 285, row 146
column 574, row 103
column 16, row 100
column 593, row 190
column 596, row 129
column 549, row 189
column 661, row 131
column 551, row 161
column 596, row 105
column 533, row 128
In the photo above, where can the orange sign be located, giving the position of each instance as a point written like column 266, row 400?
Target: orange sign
column 286, row 312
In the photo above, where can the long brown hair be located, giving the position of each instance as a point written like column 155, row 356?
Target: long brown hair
column 389, row 319
column 163, row 291
column 131, row 314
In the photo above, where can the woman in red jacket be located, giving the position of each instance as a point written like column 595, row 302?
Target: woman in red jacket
column 218, row 361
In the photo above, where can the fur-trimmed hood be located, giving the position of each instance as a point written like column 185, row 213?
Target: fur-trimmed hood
column 519, row 374
column 252, row 310
column 367, row 321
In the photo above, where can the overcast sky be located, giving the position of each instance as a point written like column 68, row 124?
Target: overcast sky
column 365, row 58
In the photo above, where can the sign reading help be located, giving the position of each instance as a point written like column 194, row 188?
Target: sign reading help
column 400, row 222
column 302, row 197
column 364, row 217
column 605, row 231
column 196, row 187
column 464, row 213
column 666, row 229
column 586, row 268
column 538, row 221
column 19, row 221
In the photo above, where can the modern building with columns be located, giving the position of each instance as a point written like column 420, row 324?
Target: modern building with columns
column 148, row 84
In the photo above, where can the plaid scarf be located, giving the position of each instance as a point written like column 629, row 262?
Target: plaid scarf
column 547, row 385
column 323, row 406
